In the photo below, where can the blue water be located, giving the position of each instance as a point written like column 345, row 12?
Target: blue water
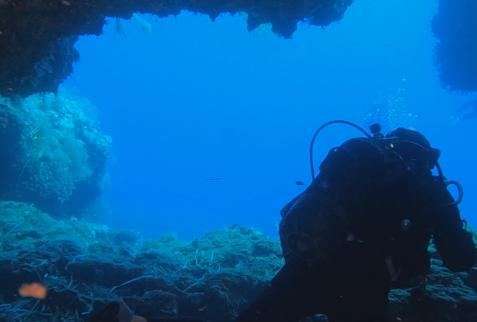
column 194, row 99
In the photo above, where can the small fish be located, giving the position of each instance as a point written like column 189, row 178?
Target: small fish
column 211, row 179
column 35, row 290
column 119, row 27
column 299, row 183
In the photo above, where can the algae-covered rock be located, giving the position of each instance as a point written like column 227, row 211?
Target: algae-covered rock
column 55, row 153
column 84, row 266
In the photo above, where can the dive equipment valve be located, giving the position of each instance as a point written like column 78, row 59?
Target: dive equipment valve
column 376, row 130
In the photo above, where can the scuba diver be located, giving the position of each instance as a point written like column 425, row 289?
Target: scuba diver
column 471, row 107
column 362, row 228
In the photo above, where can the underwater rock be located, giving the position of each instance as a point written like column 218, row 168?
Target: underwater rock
column 128, row 237
column 37, row 37
column 214, row 278
column 456, row 28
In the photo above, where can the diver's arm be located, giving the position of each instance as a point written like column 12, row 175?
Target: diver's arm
column 454, row 244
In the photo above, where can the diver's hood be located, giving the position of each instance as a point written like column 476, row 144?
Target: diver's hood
column 412, row 145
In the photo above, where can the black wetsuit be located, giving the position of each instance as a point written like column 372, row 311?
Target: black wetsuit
column 351, row 283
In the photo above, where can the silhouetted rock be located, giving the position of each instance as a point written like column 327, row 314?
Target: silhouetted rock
column 456, row 28
column 37, row 37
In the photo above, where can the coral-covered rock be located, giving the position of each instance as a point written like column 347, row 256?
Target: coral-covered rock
column 83, row 266
column 55, row 152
